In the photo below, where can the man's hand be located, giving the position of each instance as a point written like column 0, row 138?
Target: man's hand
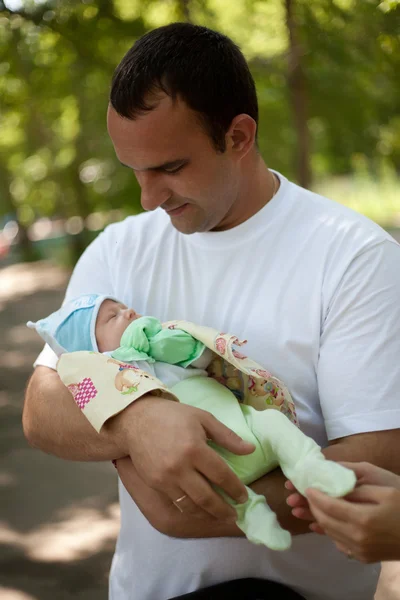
column 167, row 443
column 164, row 516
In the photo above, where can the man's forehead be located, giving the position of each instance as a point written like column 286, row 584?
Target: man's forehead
column 167, row 113
column 154, row 141
column 167, row 165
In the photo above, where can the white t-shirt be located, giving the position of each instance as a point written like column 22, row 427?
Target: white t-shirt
column 315, row 289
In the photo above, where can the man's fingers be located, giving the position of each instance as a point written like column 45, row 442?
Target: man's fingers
column 204, row 496
column 225, row 437
column 185, row 505
column 216, row 470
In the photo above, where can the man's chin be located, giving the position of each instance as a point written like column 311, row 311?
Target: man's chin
column 186, row 228
column 186, row 225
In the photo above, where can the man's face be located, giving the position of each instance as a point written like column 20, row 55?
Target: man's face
column 177, row 167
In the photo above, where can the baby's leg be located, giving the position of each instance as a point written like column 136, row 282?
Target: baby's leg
column 209, row 395
column 259, row 522
column 299, row 457
column 255, row 518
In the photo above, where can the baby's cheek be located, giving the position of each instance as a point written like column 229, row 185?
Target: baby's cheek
column 120, row 330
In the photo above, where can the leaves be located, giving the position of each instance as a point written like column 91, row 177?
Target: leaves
column 57, row 59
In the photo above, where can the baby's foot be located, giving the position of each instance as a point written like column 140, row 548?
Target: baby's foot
column 260, row 524
column 325, row 475
column 269, row 533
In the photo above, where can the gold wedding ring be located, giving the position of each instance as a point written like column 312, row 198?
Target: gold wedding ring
column 176, row 502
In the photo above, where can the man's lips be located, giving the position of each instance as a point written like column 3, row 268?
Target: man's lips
column 176, row 211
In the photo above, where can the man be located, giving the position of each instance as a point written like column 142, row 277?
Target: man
column 313, row 286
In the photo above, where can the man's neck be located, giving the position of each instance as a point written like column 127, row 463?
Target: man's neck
column 259, row 185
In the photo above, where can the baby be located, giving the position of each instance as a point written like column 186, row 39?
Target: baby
column 103, row 324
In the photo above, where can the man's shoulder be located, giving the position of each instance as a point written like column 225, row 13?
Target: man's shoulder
column 335, row 223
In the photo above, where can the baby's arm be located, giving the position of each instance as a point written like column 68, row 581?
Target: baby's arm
column 102, row 387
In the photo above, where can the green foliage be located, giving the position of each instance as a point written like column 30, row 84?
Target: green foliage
column 57, row 58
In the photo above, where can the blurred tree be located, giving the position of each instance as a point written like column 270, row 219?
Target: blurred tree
column 58, row 59
column 298, row 92
column 326, row 70
column 184, row 6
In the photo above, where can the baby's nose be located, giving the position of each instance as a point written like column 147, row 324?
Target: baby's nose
column 129, row 313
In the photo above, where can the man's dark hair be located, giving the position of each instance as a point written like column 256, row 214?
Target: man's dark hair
column 202, row 67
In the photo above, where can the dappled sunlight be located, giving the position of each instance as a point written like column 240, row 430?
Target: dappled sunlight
column 20, row 334
column 12, row 359
column 4, row 399
column 11, row 594
column 24, row 279
column 83, row 532
column 7, row 479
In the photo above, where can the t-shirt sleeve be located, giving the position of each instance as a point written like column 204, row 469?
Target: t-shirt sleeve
column 90, row 276
column 359, row 365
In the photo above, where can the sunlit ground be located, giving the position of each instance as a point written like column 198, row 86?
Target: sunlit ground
column 9, row 594
column 79, row 533
column 25, row 279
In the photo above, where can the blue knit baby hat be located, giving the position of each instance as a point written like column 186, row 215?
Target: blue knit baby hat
column 72, row 327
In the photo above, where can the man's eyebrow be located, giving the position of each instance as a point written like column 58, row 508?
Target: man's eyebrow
column 172, row 164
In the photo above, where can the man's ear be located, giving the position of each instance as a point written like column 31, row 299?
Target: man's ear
column 241, row 135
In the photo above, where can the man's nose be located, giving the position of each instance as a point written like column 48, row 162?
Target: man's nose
column 153, row 191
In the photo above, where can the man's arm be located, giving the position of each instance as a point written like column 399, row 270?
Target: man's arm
column 375, row 447
column 146, row 431
column 52, row 422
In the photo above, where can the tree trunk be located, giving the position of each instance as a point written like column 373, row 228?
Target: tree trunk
column 185, row 10
column 297, row 84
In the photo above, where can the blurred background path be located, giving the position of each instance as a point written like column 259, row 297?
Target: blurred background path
column 59, row 519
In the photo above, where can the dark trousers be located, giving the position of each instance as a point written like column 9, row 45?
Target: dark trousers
column 243, row 589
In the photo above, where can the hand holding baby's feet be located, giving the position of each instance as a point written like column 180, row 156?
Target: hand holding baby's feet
column 301, row 509
column 325, row 475
column 298, row 503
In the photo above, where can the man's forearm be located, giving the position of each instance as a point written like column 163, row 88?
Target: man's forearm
column 53, row 423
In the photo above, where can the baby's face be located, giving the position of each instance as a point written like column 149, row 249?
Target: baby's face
column 112, row 320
